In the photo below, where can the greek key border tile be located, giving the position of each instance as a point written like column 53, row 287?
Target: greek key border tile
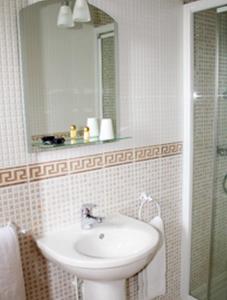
column 85, row 164
column 13, row 176
column 158, row 151
column 42, row 171
column 119, row 157
column 48, row 170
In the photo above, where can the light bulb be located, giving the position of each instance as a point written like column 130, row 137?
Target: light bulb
column 81, row 12
column 65, row 18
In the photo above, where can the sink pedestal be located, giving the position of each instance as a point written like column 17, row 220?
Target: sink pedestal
column 111, row 290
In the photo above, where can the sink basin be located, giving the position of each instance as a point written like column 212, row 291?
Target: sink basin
column 103, row 256
column 112, row 244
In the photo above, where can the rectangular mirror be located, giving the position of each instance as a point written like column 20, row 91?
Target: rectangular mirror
column 69, row 73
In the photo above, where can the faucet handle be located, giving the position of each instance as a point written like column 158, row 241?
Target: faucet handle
column 87, row 208
column 89, row 205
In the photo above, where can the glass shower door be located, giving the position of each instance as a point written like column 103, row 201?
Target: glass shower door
column 218, row 261
column 209, row 203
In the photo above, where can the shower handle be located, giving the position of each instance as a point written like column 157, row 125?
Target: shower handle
column 224, row 184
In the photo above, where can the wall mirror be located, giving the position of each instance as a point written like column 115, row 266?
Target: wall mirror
column 69, row 74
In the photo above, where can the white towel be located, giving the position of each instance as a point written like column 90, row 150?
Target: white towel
column 152, row 280
column 11, row 274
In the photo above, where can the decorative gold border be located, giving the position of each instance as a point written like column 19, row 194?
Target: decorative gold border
column 42, row 171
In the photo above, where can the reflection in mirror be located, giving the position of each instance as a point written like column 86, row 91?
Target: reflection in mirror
column 69, row 74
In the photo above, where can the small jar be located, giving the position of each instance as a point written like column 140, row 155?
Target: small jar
column 86, row 134
column 73, row 132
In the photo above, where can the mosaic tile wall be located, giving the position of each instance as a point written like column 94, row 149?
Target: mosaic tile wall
column 42, row 191
column 49, row 204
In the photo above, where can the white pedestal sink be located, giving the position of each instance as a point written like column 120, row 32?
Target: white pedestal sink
column 103, row 256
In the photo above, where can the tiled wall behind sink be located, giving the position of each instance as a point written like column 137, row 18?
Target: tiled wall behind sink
column 45, row 205
column 42, row 191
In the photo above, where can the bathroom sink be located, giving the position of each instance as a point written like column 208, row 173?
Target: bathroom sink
column 110, row 252
column 113, row 244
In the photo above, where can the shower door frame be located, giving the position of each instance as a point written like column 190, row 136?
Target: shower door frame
column 188, row 83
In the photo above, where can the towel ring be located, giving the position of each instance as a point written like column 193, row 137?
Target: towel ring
column 144, row 198
column 17, row 228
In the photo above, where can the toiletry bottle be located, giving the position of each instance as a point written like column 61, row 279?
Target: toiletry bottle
column 86, row 134
column 73, row 134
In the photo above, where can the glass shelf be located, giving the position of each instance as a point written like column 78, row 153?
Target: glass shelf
column 72, row 144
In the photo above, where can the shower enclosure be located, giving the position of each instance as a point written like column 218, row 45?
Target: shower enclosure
column 208, row 220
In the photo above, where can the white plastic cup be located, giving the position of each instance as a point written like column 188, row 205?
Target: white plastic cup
column 92, row 123
column 106, row 130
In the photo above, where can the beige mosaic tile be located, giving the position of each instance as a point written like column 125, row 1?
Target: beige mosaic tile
column 45, row 205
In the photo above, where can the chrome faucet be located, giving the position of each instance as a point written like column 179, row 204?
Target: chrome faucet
column 87, row 219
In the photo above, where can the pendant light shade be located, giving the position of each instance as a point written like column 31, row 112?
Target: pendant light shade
column 81, row 12
column 65, row 17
